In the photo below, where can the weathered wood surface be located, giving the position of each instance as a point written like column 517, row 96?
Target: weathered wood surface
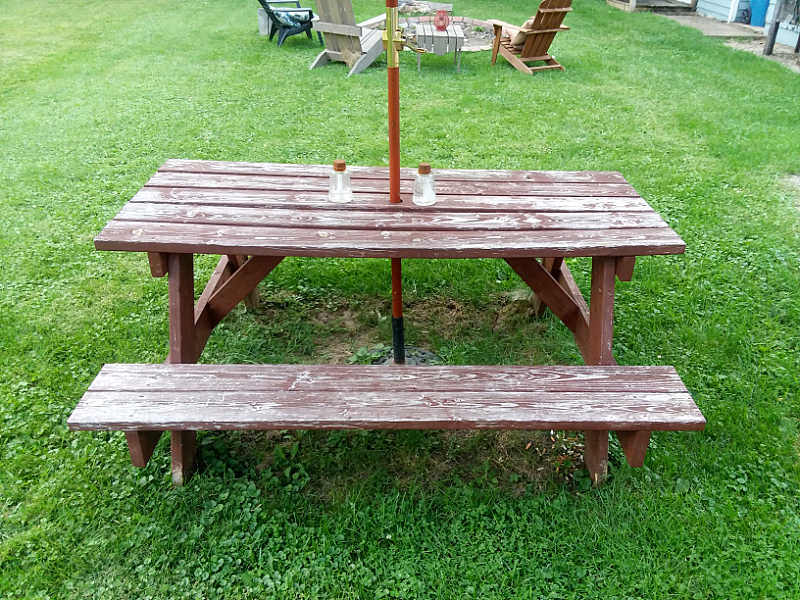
column 212, row 397
column 398, row 220
column 179, row 165
column 439, row 42
column 359, row 243
column 265, row 209
column 318, row 200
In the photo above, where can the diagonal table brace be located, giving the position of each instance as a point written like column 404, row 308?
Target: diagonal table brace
column 562, row 300
column 230, row 283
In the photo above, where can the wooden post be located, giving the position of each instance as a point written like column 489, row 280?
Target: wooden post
column 595, row 455
column 182, row 349
column 141, row 445
column 599, row 352
column 772, row 29
column 634, row 444
column 601, row 312
column 183, row 445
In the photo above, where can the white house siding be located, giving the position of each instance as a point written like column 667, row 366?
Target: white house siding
column 719, row 9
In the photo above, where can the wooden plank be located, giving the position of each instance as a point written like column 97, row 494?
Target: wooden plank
column 555, row 65
column 444, row 186
column 218, row 410
column 337, row 28
column 228, row 294
column 567, row 281
column 248, row 168
column 380, row 202
column 141, row 445
column 601, row 312
column 273, row 241
column 634, row 444
column 250, row 300
column 511, row 54
column 553, row 266
column 181, row 308
column 551, row 293
column 183, row 446
column 345, row 44
column 375, row 22
column 625, row 265
column 440, row 45
column 222, row 272
column 331, row 378
column 595, row 454
column 400, row 219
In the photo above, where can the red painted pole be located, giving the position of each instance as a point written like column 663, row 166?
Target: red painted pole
column 393, row 85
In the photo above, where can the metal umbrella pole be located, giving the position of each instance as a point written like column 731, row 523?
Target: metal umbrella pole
column 393, row 42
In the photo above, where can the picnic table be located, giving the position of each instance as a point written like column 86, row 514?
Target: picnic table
column 255, row 214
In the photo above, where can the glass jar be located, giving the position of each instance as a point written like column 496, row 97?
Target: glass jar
column 424, row 192
column 340, row 190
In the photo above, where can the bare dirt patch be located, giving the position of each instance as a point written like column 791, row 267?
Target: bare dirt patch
column 782, row 54
column 329, row 464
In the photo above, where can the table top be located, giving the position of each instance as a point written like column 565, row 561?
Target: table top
column 453, row 30
column 266, row 209
column 439, row 42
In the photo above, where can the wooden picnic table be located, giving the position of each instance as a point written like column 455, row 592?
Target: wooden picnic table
column 254, row 214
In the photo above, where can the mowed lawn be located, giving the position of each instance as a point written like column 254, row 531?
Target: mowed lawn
column 94, row 95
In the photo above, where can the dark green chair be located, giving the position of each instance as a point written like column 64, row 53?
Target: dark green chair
column 288, row 21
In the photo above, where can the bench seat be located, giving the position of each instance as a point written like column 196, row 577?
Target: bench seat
column 186, row 397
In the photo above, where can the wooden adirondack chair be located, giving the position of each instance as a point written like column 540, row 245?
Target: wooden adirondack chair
column 356, row 45
column 530, row 43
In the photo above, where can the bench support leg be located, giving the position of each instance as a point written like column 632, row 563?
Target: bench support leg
column 233, row 281
column 599, row 352
column 182, row 349
column 183, row 447
column 601, row 312
column 596, row 455
column 141, row 445
column 634, row 445
column 182, row 346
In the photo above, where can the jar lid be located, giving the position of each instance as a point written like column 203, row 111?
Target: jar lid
column 424, row 168
column 339, row 165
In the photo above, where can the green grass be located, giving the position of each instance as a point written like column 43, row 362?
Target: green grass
column 95, row 95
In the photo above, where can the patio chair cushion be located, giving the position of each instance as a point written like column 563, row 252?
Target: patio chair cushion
column 518, row 39
column 293, row 18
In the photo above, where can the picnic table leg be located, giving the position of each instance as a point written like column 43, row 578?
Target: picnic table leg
column 182, row 349
column 599, row 352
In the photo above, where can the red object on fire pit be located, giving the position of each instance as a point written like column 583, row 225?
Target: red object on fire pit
column 441, row 20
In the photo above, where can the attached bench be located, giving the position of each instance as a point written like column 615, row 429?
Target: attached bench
column 145, row 399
